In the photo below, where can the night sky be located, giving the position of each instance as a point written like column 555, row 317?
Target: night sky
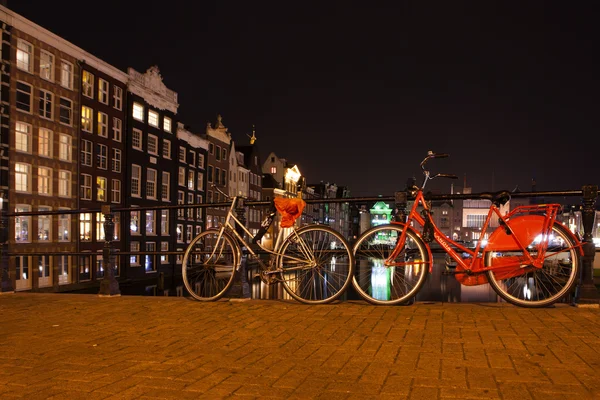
column 356, row 95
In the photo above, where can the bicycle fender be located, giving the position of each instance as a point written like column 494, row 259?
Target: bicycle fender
column 525, row 228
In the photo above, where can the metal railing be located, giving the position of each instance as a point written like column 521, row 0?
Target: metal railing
column 109, row 285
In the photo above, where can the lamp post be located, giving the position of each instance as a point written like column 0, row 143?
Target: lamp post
column 589, row 294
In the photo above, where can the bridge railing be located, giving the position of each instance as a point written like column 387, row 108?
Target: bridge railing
column 109, row 285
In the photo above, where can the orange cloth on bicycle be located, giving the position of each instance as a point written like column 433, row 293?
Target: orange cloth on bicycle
column 290, row 210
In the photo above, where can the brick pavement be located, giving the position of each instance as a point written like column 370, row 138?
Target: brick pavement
column 66, row 346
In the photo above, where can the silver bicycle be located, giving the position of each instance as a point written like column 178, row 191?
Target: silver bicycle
column 314, row 263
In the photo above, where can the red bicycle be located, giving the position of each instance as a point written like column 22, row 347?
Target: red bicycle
column 530, row 260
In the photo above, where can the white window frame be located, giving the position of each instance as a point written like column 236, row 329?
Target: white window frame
column 116, row 160
column 117, row 97
column 87, row 119
column 136, row 178
column 101, row 189
column 102, row 124
column 192, row 158
column 64, row 183
column 134, row 259
column 65, row 147
column 25, row 55
column 87, row 150
column 200, row 181
column 150, row 222
column 200, row 160
column 182, row 153
column 115, row 189
column 23, row 137
column 167, row 124
column 85, row 190
column 69, row 109
column 117, row 129
column 181, row 176
column 164, row 222
column 44, row 179
column 164, row 247
column 87, row 85
column 166, row 186
column 29, row 93
column 136, row 139
column 101, row 156
column 64, row 226
column 191, row 179
column 103, row 89
column 138, row 111
column 23, row 177
column 153, row 118
column 45, row 99
column 179, row 232
column 23, row 224
column 47, row 73
column 151, row 180
column 66, row 75
column 152, row 144
column 45, row 142
column 166, row 149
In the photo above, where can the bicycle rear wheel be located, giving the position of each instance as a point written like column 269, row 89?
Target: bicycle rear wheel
column 538, row 287
column 316, row 264
column 209, row 265
column 375, row 279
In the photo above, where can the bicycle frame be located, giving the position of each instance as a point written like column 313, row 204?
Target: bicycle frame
column 230, row 224
column 513, row 234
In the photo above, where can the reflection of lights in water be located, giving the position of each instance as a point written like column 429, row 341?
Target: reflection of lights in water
column 380, row 281
column 526, row 292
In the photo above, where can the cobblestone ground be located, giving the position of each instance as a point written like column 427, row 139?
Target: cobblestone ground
column 64, row 346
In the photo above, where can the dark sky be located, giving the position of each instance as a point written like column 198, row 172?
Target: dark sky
column 357, row 94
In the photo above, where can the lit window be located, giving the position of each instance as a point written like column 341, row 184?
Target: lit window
column 24, row 55
column 103, row 91
column 273, row 170
column 44, row 225
column 64, row 183
column 65, row 148
column 167, row 124
column 22, row 177
column 150, row 222
column 101, row 188
column 45, row 142
column 23, row 137
column 46, row 65
column 64, row 227
column 87, row 84
column 181, row 176
column 44, row 181
column 86, row 119
column 152, row 118
column 138, row 111
column 100, row 234
column 164, row 222
column 22, row 224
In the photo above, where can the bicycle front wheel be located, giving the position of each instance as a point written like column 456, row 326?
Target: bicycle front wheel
column 209, row 265
column 316, row 264
column 385, row 275
column 537, row 287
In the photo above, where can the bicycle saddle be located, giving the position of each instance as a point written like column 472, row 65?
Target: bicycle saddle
column 499, row 198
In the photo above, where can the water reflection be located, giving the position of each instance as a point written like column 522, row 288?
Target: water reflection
column 440, row 286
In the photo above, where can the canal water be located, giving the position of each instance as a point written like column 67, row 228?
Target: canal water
column 439, row 287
